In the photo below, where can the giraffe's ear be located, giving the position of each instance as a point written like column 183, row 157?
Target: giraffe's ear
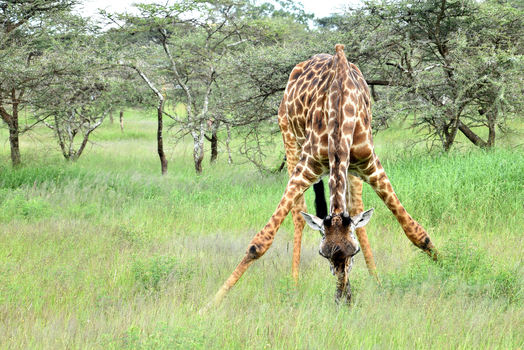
column 314, row 222
column 363, row 218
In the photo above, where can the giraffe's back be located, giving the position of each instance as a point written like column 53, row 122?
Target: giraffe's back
column 306, row 99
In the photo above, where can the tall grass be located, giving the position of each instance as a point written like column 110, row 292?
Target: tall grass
column 106, row 253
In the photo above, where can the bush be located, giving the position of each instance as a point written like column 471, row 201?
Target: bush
column 462, row 268
column 152, row 273
column 17, row 206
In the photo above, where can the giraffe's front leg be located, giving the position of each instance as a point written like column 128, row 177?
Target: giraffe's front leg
column 375, row 175
column 306, row 172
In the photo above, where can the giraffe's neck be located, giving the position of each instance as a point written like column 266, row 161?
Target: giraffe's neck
column 338, row 163
column 338, row 143
column 337, row 190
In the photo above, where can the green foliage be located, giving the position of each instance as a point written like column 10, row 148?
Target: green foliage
column 450, row 63
column 154, row 272
column 462, row 269
column 14, row 205
column 38, row 175
column 165, row 337
column 108, row 253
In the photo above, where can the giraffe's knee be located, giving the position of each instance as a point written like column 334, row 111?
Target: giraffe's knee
column 255, row 251
column 298, row 221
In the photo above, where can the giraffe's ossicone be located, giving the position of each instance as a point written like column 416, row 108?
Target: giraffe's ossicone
column 325, row 120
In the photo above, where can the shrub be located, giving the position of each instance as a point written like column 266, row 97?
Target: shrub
column 462, row 268
column 151, row 273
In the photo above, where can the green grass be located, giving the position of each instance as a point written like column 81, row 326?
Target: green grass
column 106, row 253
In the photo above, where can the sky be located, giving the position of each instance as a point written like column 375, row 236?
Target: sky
column 321, row 8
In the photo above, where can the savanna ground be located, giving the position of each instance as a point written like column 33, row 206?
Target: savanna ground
column 107, row 253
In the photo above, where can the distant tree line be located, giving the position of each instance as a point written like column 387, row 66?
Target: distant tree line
column 452, row 66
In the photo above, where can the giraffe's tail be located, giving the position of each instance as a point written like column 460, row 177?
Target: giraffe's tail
column 320, row 200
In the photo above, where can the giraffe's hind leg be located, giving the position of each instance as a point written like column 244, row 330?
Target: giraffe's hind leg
column 375, row 175
column 356, row 206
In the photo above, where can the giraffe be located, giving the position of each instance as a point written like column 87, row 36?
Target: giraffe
column 325, row 120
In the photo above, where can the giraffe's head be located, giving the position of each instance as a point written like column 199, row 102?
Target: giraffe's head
column 339, row 243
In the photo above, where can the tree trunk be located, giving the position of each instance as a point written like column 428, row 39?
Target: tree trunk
column 111, row 117
column 198, row 147
column 474, row 138
column 198, row 156
column 214, row 147
column 282, row 165
column 160, row 112
column 121, row 120
column 78, row 153
column 14, row 133
column 12, row 123
column 450, row 135
column 447, row 142
column 491, row 127
column 228, row 139
column 374, row 93
column 214, row 142
column 159, row 137
column 14, row 141
column 60, row 138
column 198, row 162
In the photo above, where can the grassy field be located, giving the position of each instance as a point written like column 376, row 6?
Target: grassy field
column 106, row 253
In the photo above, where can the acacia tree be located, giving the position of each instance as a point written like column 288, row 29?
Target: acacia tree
column 203, row 43
column 77, row 110
column 75, row 103
column 160, row 114
column 494, row 51
column 25, row 58
column 199, row 40
column 253, row 80
column 451, row 63
column 156, row 24
column 196, row 66
column 129, row 49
